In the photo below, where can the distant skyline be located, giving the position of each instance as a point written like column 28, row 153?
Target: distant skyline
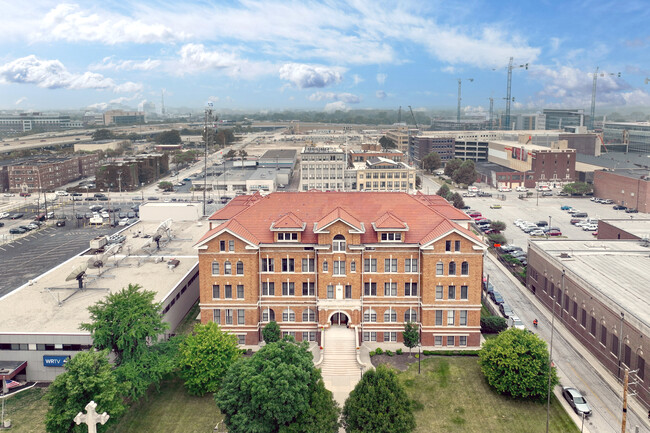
column 322, row 55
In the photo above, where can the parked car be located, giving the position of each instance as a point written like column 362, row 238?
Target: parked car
column 590, row 228
column 619, row 207
column 537, row 233
column 16, row 216
column 469, row 194
column 495, row 206
column 4, row 215
column 515, row 322
column 123, row 222
column 631, row 210
column 152, row 198
column 563, row 194
column 16, row 231
column 24, row 194
column 60, row 223
column 474, row 214
column 506, row 310
column 76, row 194
column 607, row 201
column 547, row 194
column 90, row 199
column 504, row 189
column 521, row 189
column 565, row 207
column 496, row 297
column 576, row 401
column 26, row 228
column 542, row 223
column 575, row 221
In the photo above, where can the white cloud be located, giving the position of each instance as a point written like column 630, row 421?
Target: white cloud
column 98, row 106
column 123, row 99
column 381, row 78
column 449, row 69
column 21, row 100
column 357, row 79
column 336, row 106
column 52, row 74
column 305, row 76
column 380, row 94
column 213, row 99
column 126, row 65
column 197, row 58
column 331, row 96
column 474, row 110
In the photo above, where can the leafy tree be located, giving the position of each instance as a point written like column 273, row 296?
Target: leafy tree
column 452, row 165
column 431, row 162
column 443, row 191
column 102, row 134
column 88, row 377
column 271, row 332
column 378, row 404
column 205, row 357
column 166, row 186
column 124, row 321
column 579, row 188
column 411, row 335
column 493, row 324
column 224, row 137
column 466, row 173
column 184, row 158
column 168, row 137
column 496, row 238
column 457, row 200
column 231, row 154
column 277, row 390
column 498, row 226
column 387, row 143
column 516, row 363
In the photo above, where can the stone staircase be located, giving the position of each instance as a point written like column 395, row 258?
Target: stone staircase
column 340, row 369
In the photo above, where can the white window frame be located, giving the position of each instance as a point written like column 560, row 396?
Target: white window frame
column 450, row 317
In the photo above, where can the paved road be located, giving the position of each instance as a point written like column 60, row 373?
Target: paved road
column 573, row 369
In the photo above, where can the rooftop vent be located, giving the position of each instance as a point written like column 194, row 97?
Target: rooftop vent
column 565, row 256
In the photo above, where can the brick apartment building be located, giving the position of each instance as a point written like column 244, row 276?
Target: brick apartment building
column 627, row 187
column 368, row 260
column 48, row 173
column 129, row 173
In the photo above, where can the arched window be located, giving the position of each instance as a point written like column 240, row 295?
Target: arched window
column 227, row 268
column 370, row 315
column 268, row 315
column 464, row 268
column 308, row 315
column 338, row 244
column 288, row 315
column 240, row 268
column 410, row 315
column 390, row 315
column 452, row 268
column 215, row 268
column 440, row 268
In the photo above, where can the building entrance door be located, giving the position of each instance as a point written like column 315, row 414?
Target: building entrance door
column 339, row 319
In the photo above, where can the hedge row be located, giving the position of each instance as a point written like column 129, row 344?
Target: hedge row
column 379, row 351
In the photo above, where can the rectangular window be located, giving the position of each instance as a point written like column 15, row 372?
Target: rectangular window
column 583, row 318
column 370, row 289
column 450, row 340
column 222, row 246
column 240, row 291
column 574, row 313
column 593, row 326
column 287, row 265
column 369, row 265
column 348, row 292
column 462, row 341
column 241, row 317
column 241, row 339
column 216, row 316
column 325, row 267
column 227, row 291
column 268, row 265
column 603, row 335
column 451, row 292
column 440, row 268
column 627, row 355
column 288, row 316
column 370, row 316
column 330, row 291
column 390, row 289
column 456, row 245
column 215, row 291
column 450, row 317
column 215, row 268
column 390, row 265
column 410, row 265
column 410, row 289
column 308, row 289
column 353, row 266
column 309, row 336
column 463, row 318
column 228, row 317
column 369, row 336
column 390, row 336
column 231, row 245
column 438, row 317
column 339, row 267
column 308, row 265
column 463, row 292
column 268, row 289
column 567, row 300
column 615, row 345
column 447, row 245
column 559, row 297
column 288, row 289
column 438, row 292
column 438, row 340
column 640, row 366
column 227, row 268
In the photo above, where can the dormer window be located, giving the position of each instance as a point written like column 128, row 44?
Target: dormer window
column 287, row 236
column 338, row 243
column 391, row 237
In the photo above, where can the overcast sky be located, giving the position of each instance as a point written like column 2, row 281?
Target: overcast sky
column 322, row 55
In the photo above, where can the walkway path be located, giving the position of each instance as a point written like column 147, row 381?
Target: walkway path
column 340, row 369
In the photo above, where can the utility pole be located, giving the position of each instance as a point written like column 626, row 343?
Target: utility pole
column 550, row 355
column 460, row 80
column 207, row 120
column 509, row 93
column 625, row 383
column 593, row 93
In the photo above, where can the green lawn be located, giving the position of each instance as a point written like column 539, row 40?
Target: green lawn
column 451, row 395
column 172, row 410
column 26, row 410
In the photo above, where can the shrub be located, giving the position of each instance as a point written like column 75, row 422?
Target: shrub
column 389, row 353
column 493, row 324
column 398, row 352
column 378, row 351
column 372, row 353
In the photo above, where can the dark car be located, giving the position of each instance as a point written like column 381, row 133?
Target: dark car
column 575, row 221
column 60, row 223
column 76, row 194
column 497, row 298
column 542, row 223
column 90, row 199
column 16, row 216
column 99, row 194
column 619, row 207
column 506, row 310
column 153, row 198
column 102, row 198
column 631, row 210
column 576, row 401
column 95, row 208
column 80, row 216
column 121, row 215
column 16, row 231
column 2, row 224
column 26, row 228
column 130, row 214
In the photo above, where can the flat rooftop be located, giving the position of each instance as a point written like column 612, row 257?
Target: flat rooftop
column 635, row 226
column 616, row 270
column 36, row 308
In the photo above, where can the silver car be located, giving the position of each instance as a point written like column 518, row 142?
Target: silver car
column 576, row 401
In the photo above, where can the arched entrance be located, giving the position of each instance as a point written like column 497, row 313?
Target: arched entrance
column 339, row 318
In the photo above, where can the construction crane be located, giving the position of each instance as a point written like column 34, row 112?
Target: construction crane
column 593, row 93
column 647, row 80
column 460, row 80
column 413, row 115
column 509, row 98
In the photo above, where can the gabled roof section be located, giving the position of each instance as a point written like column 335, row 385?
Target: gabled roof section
column 289, row 222
column 339, row 214
column 232, row 227
column 388, row 221
column 445, row 227
column 441, row 206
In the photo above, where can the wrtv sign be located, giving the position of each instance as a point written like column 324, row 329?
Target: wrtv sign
column 54, row 361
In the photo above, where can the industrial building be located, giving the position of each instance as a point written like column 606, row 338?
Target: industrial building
column 561, row 118
column 28, row 122
column 631, row 137
column 121, row 117
column 628, row 187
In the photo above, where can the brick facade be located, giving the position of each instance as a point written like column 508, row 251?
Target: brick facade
column 628, row 190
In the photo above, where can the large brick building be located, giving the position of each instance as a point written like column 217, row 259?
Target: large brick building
column 49, row 172
column 368, row 260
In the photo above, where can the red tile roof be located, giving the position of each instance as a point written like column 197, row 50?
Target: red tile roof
column 389, row 221
column 288, row 221
column 421, row 213
column 445, row 227
column 441, row 205
column 234, row 227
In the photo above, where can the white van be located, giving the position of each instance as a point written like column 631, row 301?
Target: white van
column 61, row 193
column 515, row 322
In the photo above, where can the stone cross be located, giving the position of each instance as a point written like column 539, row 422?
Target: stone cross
column 91, row 418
